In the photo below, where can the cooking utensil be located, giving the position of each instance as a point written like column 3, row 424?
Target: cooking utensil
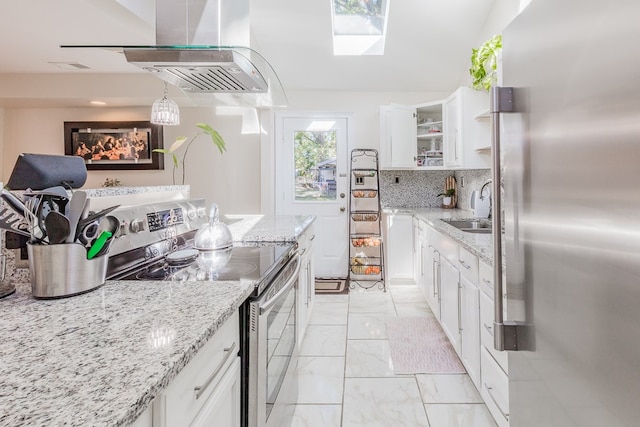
column 15, row 203
column 99, row 244
column 58, row 191
column 88, row 233
column 76, row 207
column 96, row 216
column 57, row 227
column 13, row 222
column 105, row 248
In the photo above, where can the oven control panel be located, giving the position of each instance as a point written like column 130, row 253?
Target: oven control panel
column 163, row 219
column 144, row 225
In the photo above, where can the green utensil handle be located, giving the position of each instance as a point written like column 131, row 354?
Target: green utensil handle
column 100, row 241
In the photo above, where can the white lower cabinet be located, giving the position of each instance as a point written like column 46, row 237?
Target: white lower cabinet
column 493, row 364
column 420, row 251
column 450, row 302
column 399, row 248
column 222, row 408
column 431, row 286
column 306, row 282
column 470, row 328
column 208, row 388
column 495, row 388
column 459, row 290
column 486, row 332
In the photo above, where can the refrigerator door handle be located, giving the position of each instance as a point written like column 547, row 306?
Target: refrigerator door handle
column 505, row 336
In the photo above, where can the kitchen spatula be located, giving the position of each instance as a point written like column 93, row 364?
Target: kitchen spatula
column 76, row 208
column 57, row 227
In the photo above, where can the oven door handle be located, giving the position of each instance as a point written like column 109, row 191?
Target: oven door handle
column 266, row 305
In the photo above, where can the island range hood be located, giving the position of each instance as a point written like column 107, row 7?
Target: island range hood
column 202, row 47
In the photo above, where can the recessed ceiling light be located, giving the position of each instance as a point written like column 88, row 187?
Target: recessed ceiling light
column 97, row 103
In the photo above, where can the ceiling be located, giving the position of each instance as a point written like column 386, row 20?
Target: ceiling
column 428, row 41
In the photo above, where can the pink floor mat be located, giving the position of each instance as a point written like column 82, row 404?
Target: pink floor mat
column 418, row 345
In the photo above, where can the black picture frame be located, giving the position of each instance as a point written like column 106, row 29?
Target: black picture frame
column 115, row 145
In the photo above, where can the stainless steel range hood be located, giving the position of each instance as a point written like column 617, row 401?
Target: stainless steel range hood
column 202, row 47
column 200, row 69
column 191, row 33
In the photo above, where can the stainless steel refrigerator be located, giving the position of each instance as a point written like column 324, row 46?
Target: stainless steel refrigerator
column 571, row 164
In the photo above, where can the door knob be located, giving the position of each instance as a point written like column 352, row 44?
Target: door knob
column 342, row 195
column 342, row 209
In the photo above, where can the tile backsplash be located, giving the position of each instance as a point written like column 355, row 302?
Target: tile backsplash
column 419, row 189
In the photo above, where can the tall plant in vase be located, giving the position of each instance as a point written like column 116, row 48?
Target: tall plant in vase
column 204, row 129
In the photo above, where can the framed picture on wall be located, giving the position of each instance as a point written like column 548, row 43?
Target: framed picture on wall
column 114, row 145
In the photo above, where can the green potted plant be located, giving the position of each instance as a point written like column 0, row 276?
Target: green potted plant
column 205, row 129
column 484, row 63
column 447, row 199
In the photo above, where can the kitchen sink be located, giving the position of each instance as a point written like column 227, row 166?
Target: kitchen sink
column 472, row 226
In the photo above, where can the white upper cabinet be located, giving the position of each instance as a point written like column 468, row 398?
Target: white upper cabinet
column 467, row 121
column 398, row 130
column 445, row 134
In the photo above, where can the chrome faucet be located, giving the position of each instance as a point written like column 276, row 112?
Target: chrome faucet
column 490, row 194
column 482, row 189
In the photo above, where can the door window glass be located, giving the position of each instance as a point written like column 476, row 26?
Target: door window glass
column 314, row 156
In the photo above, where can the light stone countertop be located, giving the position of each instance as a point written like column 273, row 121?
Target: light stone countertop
column 97, row 359
column 480, row 245
column 100, row 358
column 267, row 228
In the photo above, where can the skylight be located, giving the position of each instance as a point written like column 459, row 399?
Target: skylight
column 359, row 26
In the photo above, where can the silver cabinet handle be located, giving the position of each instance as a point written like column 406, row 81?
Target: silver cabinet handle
column 439, row 280
column 306, row 269
column 433, row 276
column 487, row 282
column 311, row 283
column 459, row 307
column 312, row 237
column 200, row 389
column 303, row 251
column 462, row 263
column 495, row 402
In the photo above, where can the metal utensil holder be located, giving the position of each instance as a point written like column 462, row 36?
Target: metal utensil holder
column 63, row 270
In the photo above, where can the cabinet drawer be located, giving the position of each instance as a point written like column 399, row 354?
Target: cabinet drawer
column 495, row 389
column 485, row 278
column 468, row 264
column 445, row 246
column 178, row 404
column 486, row 332
column 305, row 241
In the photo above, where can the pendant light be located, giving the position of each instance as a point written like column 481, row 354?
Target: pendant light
column 165, row 111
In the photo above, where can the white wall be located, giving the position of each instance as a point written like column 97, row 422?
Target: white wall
column 232, row 180
column 365, row 110
column 501, row 15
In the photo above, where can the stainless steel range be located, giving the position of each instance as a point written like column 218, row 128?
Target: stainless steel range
column 155, row 242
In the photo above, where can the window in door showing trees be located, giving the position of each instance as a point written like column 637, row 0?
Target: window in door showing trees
column 315, row 165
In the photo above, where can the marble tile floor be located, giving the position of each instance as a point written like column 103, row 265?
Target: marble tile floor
column 346, row 377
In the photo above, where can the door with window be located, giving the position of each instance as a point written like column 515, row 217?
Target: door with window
column 311, row 179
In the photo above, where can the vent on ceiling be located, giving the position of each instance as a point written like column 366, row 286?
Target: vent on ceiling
column 70, row 65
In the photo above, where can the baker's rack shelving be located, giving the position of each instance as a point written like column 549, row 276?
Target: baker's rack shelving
column 366, row 259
